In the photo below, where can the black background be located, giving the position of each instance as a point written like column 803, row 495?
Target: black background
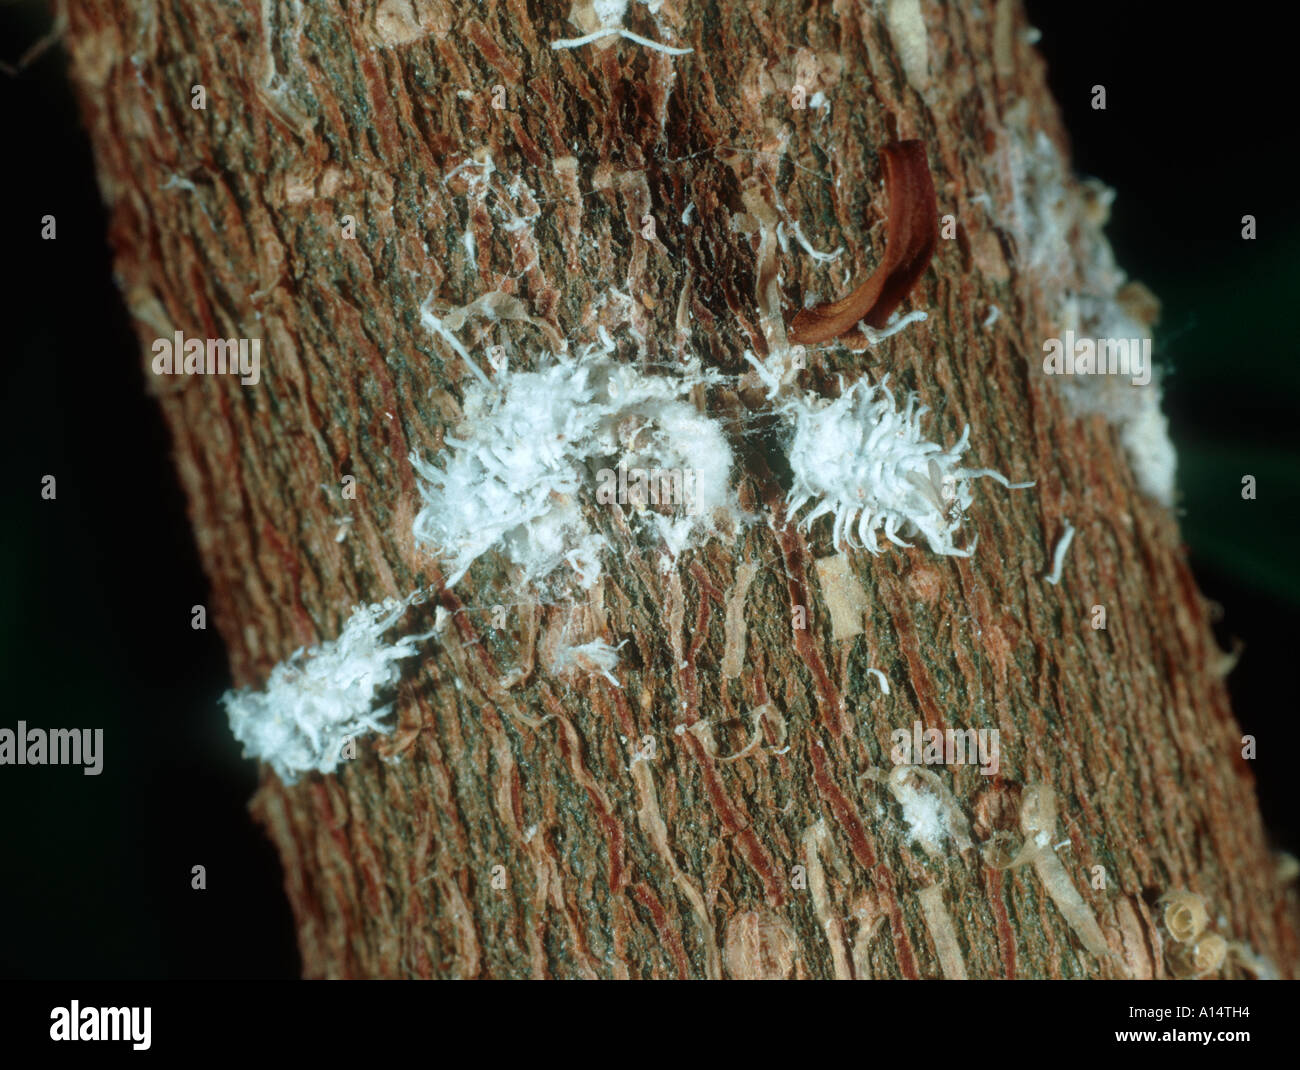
column 99, row 584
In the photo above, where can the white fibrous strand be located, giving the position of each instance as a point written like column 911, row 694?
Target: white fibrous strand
column 864, row 462
column 1058, row 557
column 896, row 323
column 604, row 18
column 594, row 657
column 320, row 697
column 770, row 376
column 818, row 256
column 526, row 459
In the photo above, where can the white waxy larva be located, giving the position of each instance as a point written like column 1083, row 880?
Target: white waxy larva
column 320, row 697
column 862, row 460
column 518, row 472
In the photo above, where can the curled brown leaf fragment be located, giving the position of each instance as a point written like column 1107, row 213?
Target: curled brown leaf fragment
column 911, row 236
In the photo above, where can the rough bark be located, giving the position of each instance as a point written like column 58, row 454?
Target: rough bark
column 227, row 222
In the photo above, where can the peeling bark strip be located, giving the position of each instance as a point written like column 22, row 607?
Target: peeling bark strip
column 913, row 233
column 844, row 596
column 1038, row 822
column 376, row 167
column 733, row 656
column 942, row 932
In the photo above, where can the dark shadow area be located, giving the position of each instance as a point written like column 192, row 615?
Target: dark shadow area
column 1232, row 391
column 99, row 584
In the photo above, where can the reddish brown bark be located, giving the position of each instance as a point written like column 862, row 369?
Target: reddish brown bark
column 227, row 222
